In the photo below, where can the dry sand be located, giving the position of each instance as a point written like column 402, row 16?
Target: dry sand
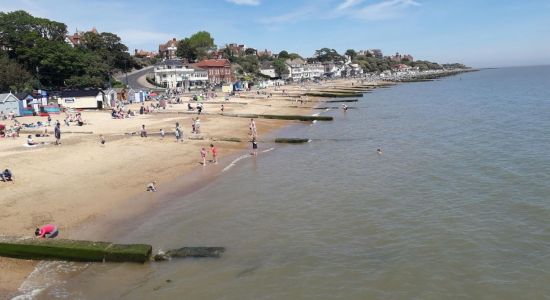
column 79, row 180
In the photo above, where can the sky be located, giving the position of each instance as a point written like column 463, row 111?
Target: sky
column 478, row 33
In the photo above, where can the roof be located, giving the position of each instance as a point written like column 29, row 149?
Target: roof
column 80, row 93
column 22, row 96
column 213, row 63
column 6, row 96
column 170, row 62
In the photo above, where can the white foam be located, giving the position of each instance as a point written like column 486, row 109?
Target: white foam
column 268, row 150
column 45, row 275
column 234, row 162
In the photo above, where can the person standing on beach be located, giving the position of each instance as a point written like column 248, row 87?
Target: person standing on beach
column 214, row 152
column 252, row 128
column 222, row 108
column 162, row 133
column 143, row 132
column 101, row 139
column 203, row 156
column 197, row 125
column 254, row 146
column 57, row 133
column 177, row 132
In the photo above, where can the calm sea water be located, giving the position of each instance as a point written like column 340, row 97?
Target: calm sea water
column 456, row 207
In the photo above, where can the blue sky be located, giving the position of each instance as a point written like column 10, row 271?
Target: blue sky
column 483, row 33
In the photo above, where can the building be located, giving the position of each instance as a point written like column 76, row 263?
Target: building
column 400, row 58
column 313, row 70
column 264, row 53
column 144, row 54
column 374, row 53
column 298, row 70
column 174, row 73
column 75, row 39
column 219, row 70
column 268, row 70
column 80, row 99
column 9, row 103
column 168, row 50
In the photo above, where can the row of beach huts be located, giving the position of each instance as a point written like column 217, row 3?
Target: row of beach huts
column 42, row 102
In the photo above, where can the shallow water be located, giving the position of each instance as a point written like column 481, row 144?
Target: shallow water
column 456, row 207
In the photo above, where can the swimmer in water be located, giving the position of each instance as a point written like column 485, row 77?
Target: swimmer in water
column 379, row 151
column 344, row 107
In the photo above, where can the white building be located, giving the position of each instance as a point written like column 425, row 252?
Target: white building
column 298, row 69
column 174, row 73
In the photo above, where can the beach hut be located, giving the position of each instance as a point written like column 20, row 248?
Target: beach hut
column 9, row 103
column 137, row 96
column 82, row 99
column 26, row 101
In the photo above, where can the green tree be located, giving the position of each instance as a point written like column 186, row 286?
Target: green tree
column 195, row 47
column 13, row 77
column 250, row 51
column 326, row 54
column 283, row 55
column 351, row 53
column 280, row 67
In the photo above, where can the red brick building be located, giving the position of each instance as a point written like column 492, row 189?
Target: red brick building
column 219, row 70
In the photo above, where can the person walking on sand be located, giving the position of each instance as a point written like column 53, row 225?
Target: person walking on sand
column 252, row 128
column 214, row 152
column 177, row 132
column 222, row 108
column 162, row 133
column 197, row 125
column 254, row 146
column 203, row 156
column 57, row 133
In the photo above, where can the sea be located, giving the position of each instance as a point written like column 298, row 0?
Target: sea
column 457, row 206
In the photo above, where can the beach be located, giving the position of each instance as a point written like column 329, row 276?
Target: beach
column 72, row 184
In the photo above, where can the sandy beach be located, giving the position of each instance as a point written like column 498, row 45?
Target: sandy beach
column 74, row 183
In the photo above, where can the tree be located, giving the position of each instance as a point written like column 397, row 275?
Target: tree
column 326, row 54
column 294, row 56
column 250, row 51
column 195, row 47
column 351, row 53
column 13, row 77
column 283, row 55
column 280, row 67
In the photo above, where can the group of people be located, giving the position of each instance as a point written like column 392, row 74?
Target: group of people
column 213, row 151
column 121, row 114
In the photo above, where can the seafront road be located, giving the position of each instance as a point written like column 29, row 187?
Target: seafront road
column 136, row 79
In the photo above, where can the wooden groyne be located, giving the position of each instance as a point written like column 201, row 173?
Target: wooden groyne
column 282, row 117
column 72, row 250
column 291, row 140
column 329, row 94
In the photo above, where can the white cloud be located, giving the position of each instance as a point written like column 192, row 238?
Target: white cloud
column 388, row 9
column 245, row 2
column 348, row 3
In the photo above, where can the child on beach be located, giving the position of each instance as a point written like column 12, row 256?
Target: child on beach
column 252, row 128
column 177, row 132
column 162, row 133
column 203, row 156
column 222, row 108
column 151, row 187
column 47, row 231
column 214, row 153
column 143, row 132
column 254, row 146
column 101, row 139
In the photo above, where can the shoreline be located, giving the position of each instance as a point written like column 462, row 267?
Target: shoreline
column 94, row 220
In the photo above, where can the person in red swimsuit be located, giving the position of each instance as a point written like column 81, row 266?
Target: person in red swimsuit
column 47, row 231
